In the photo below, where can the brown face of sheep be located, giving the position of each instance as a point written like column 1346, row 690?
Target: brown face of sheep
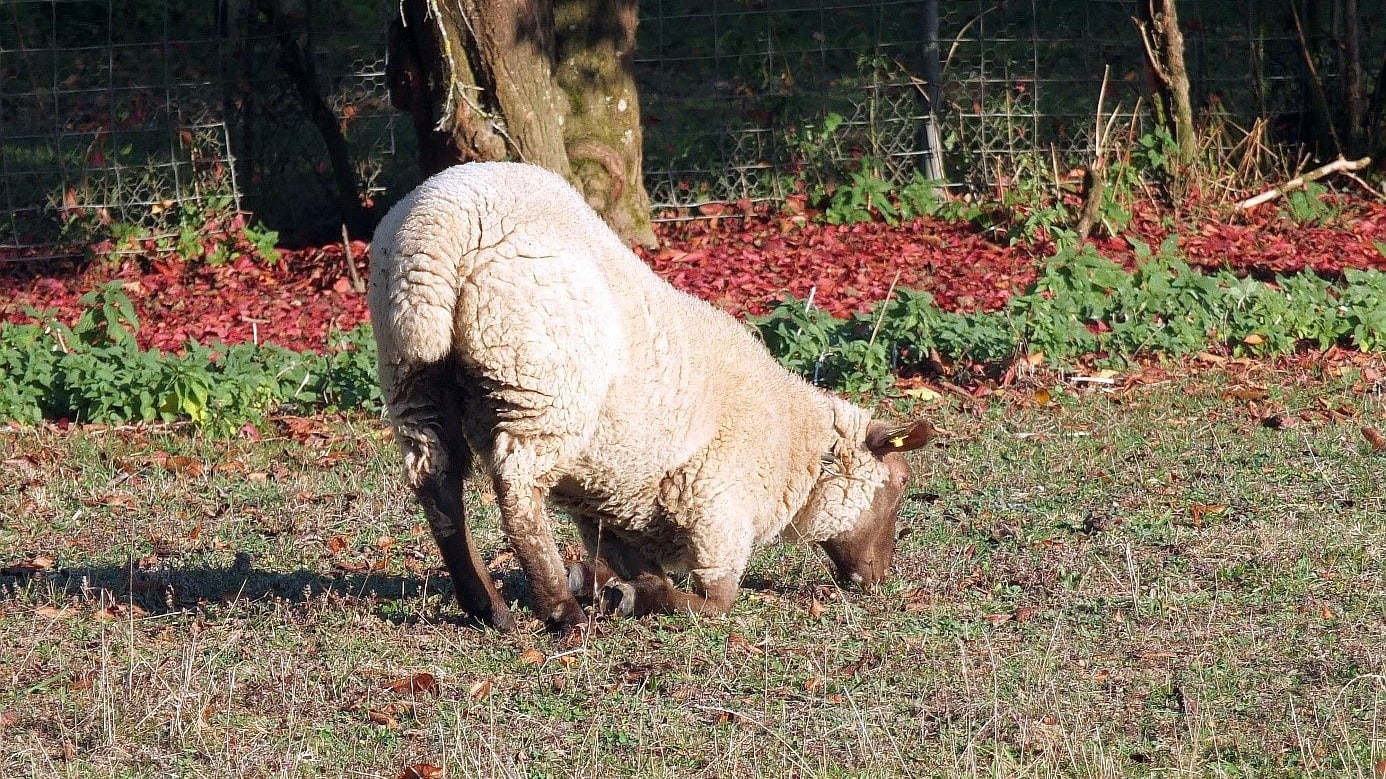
column 863, row 555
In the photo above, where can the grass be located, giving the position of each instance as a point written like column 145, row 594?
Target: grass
column 1146, row 582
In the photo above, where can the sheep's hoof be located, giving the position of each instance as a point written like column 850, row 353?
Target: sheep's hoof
column 618, row 598
column 501, row 620
column 579, row 583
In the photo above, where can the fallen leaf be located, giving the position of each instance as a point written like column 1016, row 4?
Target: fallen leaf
column 500, row 560
column 37, row 564
column 923, row 394
column 480, row 689
column 532, row 656
column 8, row 718
column 423, row 771
column 336, row 544
column 415, row 684
column 1246, row 393
column 816, row 609
column 1042, row 397
column 999, row 618
column 1201, row 510
column 1375, row 438
column 740, row 642
column 182, row 465
column 1253, row 340
column 383, row 719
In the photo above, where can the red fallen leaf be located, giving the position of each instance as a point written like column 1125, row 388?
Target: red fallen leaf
column 740, row 642
column 1375, row 438
column 423, row 771
column 415, row 684
column 336, row 544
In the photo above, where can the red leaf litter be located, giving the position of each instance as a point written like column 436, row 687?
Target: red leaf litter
column 741, row 261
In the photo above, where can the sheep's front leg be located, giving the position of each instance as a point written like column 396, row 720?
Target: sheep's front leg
column 531, row 536
column 719, row 561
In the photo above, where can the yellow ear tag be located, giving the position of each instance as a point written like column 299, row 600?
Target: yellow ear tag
column 898, row 442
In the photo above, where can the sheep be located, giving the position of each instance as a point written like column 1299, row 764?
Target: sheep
column 514, row 327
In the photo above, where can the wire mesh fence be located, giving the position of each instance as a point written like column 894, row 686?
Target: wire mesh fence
column 142, row 118
column 138, row 116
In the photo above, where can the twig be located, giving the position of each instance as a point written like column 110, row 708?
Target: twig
column 890, row 294
column 356, row 283
column 1365, row 185
column 1094, row 179
column 1150, row 57
column 1337, row 166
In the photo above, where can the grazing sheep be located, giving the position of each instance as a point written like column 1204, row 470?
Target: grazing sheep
column 513, row 324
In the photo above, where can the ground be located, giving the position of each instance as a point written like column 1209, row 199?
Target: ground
column 1176, row 570
column 1142, row 578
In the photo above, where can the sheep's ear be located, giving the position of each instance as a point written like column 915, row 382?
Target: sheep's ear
column 881, row 438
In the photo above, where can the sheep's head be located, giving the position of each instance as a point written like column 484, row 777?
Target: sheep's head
column 864, row 552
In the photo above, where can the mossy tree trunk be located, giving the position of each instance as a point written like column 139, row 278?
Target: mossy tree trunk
column 1164, row 49
column 548, row 83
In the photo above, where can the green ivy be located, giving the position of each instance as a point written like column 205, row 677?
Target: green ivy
column 1081, row 305
column 1084, row 305
column 95, row 371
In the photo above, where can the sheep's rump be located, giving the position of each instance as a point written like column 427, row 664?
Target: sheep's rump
column 561, row 336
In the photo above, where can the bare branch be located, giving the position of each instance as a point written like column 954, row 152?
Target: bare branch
column 1339, row 165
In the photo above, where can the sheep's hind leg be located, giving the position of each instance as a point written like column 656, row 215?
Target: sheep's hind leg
column 531, row 535
column 437, row 461
column 655, row 594
column 633, row 585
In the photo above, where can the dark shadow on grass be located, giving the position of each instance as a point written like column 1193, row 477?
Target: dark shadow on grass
column 191, row 588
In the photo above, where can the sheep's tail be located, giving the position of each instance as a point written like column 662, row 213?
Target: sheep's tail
column 424, row 404
column 413, row 299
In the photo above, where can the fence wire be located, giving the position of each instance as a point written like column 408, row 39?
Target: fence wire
column 136, row 117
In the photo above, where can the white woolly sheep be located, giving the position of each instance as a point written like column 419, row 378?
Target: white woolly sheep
column 513, row 324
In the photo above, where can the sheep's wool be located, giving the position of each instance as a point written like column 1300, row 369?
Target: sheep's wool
column 581, row 372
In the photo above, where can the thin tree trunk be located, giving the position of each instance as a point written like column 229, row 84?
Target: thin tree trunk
column 296, row 60
column 1376, row 119
column 1164, row 50
column 1352, row 78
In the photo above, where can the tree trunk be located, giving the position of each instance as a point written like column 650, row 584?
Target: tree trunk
column 1376, row 120
column 1164, row 49
column 527, row 80
column 1352, row 79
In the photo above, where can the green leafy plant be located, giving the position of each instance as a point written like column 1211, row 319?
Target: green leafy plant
column 1311, row 206
column 95, row 371
column 1085, row 305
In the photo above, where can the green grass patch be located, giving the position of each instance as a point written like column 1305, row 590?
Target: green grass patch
column 1146, row 582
